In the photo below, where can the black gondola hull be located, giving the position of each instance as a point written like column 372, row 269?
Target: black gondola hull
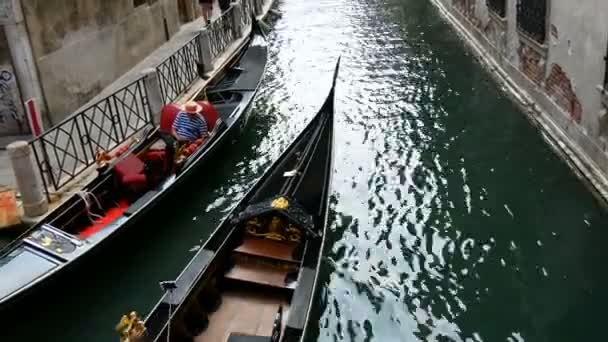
column 312, row 153
column 58, row 265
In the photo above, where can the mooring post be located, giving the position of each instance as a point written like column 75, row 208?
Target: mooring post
column 204, row 45
column 155, row 97
column 28, row 183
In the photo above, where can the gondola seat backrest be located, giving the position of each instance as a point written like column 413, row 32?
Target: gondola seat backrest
column 209, row 113
column 167, row 115
column 169, row 112
column 130, row 173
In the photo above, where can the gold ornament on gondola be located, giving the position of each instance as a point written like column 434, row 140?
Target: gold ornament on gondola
column 294, row 234
column 275, row 229
column 280, row 203
column 130, row 328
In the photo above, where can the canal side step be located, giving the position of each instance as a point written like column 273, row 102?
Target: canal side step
column 255, row 270
column 268, row 249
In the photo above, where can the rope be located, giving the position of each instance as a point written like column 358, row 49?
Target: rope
column 85, row 195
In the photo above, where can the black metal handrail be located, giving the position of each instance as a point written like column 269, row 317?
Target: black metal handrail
column 258, row 7
column 222, row 32
column 65, row 151
column 246, row 12
column 179, row 70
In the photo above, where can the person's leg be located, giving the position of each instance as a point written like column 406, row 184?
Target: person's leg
column 202, row 4
column 207, row 11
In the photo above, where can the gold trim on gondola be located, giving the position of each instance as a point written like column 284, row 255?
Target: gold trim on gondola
column 280, row 203
column 130, row 328
column 276, row 230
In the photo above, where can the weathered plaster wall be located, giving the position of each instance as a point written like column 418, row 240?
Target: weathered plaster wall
column 557, row 83
column 81, row 46
column 12, row 120
column 577, row 47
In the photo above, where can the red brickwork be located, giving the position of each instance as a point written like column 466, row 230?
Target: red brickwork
column 559, row 87
column 531, row 63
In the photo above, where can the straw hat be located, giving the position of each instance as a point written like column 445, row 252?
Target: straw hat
column 191, row 107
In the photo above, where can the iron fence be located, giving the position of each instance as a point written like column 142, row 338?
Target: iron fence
column 498, row 7
column 258, row 7
column 69, row 148
column 179, row 70
column 65, row 151
column 532, row 18
column 221, row 32
column 246, row 13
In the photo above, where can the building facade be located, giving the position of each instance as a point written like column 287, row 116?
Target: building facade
column 554, row 53
column 12, row 118
column 74, row 48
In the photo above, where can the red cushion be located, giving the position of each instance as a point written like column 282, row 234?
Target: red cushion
column 209, row 113
column 135, row 181
column 167, row 115
column 155, row 155
column 131, row 165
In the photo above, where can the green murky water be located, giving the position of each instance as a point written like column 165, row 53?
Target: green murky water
column 451, row 221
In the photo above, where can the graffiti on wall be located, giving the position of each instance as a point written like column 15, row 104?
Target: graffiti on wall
column 11, row 118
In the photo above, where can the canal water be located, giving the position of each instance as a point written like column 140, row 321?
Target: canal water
column 451, row 219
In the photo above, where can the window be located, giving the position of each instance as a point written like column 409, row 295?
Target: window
column 498, row 7
column 532, row 18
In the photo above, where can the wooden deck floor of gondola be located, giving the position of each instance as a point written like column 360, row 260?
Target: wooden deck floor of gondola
column 244, row 311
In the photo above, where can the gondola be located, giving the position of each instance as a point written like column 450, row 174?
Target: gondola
column 132, row 183
column 254, row 279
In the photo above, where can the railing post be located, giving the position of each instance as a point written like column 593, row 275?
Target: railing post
column 155, row 98
column 204, row 46
column 32, row 192
column 236, row 20
column 259, row 7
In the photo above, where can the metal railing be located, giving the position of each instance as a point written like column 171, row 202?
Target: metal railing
column 258, row 7
column 246, row 12
column 179, row 70
column 532, row 18
column 65, row 151
column 69, row 148
column 221, row 32
column 498, row 7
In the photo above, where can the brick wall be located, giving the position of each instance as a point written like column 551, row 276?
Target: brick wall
column 531, row 63
column 559, row 87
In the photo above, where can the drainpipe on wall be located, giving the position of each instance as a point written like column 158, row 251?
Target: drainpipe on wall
column 24, row 64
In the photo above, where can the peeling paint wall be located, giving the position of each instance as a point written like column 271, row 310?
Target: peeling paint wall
column 81, row 46
column 12, row 119
column 559, row 87
column 532, row 63
column 559, row 80
column 564, row 73
column 578, row 40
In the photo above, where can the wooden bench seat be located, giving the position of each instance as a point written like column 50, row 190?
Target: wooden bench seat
column 258, row 273
column 268, row 249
